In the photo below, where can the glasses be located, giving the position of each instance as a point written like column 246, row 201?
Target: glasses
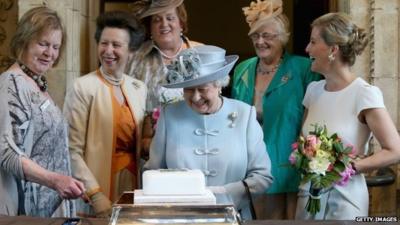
column 264, row 36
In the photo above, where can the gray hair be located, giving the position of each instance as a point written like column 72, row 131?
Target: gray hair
column 222, row 82
column 282, row 23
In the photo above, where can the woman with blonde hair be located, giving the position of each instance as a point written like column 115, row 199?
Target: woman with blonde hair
column 350, row 107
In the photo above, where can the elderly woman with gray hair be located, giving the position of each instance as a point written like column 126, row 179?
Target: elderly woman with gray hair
column 274, row 82
column 192, row 133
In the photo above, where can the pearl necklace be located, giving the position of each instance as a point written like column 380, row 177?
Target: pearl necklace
column 111, row 79
column 39, row 79
column 167, row 56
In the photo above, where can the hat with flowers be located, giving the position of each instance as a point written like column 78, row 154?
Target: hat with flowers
column 261, row 11
column 199, row 65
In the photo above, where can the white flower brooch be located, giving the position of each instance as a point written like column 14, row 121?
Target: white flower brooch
column 232, row 117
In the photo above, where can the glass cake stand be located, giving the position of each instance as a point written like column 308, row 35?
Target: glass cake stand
column 125, row 212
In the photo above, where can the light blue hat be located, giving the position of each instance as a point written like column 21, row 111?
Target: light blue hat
column 199, row 65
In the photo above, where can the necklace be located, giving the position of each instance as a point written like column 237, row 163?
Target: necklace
column 111, row 79
column 39, row 79
column 172, row 56
column 264, row 71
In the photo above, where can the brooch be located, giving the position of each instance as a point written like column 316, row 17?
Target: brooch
column 285, row 79
column 232, row 117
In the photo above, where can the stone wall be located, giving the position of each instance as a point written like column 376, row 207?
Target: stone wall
column 8, row 22
column 379, row 65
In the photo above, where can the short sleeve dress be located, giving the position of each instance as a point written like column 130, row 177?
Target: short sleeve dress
column 339, row 111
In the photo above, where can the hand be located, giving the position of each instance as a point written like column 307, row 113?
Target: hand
column 217, row 189
column 101, row 205
column 66, row 186
column 144, row 154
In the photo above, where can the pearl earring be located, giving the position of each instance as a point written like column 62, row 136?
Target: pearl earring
column 331, row 57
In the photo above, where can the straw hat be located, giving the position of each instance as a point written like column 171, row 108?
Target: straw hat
column 145, row 8
column 261, row 11
column 199, row 65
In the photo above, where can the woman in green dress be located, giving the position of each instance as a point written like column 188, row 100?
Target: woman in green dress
column 274, row 82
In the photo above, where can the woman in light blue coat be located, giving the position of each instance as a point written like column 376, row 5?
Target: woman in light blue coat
column 206, row 131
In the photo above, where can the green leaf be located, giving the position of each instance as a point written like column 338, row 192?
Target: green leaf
column 347, row 150
column 338, row 147
column 339, row 167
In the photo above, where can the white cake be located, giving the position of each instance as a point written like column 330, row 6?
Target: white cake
column 207, row 198
column 174, row 182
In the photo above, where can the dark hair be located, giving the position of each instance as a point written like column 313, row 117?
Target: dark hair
column 122, row 20
column 31, row 25
column 182, row 16
column 338, row 29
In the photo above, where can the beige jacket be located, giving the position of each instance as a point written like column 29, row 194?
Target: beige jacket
column 88, row 109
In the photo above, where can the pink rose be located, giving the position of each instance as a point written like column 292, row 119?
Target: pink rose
column 310, row 146
column 311, row 140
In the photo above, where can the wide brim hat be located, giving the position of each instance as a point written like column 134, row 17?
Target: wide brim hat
column 213, row 66
column 260, row 12
column 145, row 8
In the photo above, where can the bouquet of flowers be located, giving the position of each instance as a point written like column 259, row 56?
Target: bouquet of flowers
column 322, row 160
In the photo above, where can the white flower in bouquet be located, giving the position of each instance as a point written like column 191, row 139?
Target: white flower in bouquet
column 319, row 165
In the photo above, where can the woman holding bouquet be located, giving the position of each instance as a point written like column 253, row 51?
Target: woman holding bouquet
column 350, row 107
column 274, row 81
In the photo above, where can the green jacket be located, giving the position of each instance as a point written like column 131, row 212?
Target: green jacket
column 282, row 112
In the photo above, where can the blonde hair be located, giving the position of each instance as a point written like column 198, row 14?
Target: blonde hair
column 338, row 29
column 29, row 28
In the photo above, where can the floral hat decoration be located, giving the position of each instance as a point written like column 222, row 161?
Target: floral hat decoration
column 261, row 11
column 145, row 8
column 199, row 65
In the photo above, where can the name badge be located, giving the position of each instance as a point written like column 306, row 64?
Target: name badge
column 45, row 105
